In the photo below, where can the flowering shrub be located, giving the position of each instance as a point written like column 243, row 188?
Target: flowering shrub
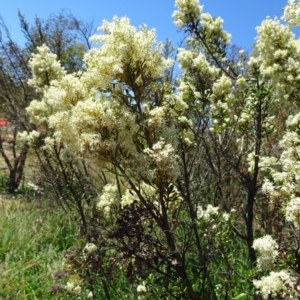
column 194, row 173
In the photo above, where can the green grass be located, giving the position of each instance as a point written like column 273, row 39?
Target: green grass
column 32, row 241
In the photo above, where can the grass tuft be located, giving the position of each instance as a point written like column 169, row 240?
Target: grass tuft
column 32, row 241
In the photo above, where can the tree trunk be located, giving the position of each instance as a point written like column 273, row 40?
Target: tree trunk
column 17, row 170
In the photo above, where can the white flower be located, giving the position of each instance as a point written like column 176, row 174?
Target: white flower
column 267, row 252
column 122, row 46
column 90, row 248
column 70, row 286
column 141, row 289
column 157, row 116
column 278, row 284
column 292, row 13
column 226, row 217
column 163, row 156
column 109, row 197
column 292, row 211
column 128, row 198
column 22, row 136
column 187, row 10
column 241, row 81
column 207, row 214
column 278, row 53
column 77, row 290
column 45, row 68
column 241, row 52
column 222, row 89
column 213, row 28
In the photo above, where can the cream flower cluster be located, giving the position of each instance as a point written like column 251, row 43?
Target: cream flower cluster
column 89, row 248
column 95, row 112
column 129, row 56
column 189, row 59
column 147, row 191
column 278, row 284
column 213, row 27
column 266, row 248
column 109, row 197
column 275, row 43
column 163, row 156
column 101, row 126
column 45, row 68
column 292, row 13
column 71, row 288
column 30, row 137
column 221, row 101
column 277, row 56
column 207, row 214
column 187, row 11
column 285, row 183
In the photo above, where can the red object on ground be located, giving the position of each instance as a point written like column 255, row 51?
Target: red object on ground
column 3, row 122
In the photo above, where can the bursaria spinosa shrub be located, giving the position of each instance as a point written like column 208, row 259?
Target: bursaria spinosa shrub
column 199, row 189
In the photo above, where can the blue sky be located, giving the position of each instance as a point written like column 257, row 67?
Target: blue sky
column 240, row 17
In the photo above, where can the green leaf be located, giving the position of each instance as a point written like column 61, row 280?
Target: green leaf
column 175, row 288
column 240, row 296
column 194, row 262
